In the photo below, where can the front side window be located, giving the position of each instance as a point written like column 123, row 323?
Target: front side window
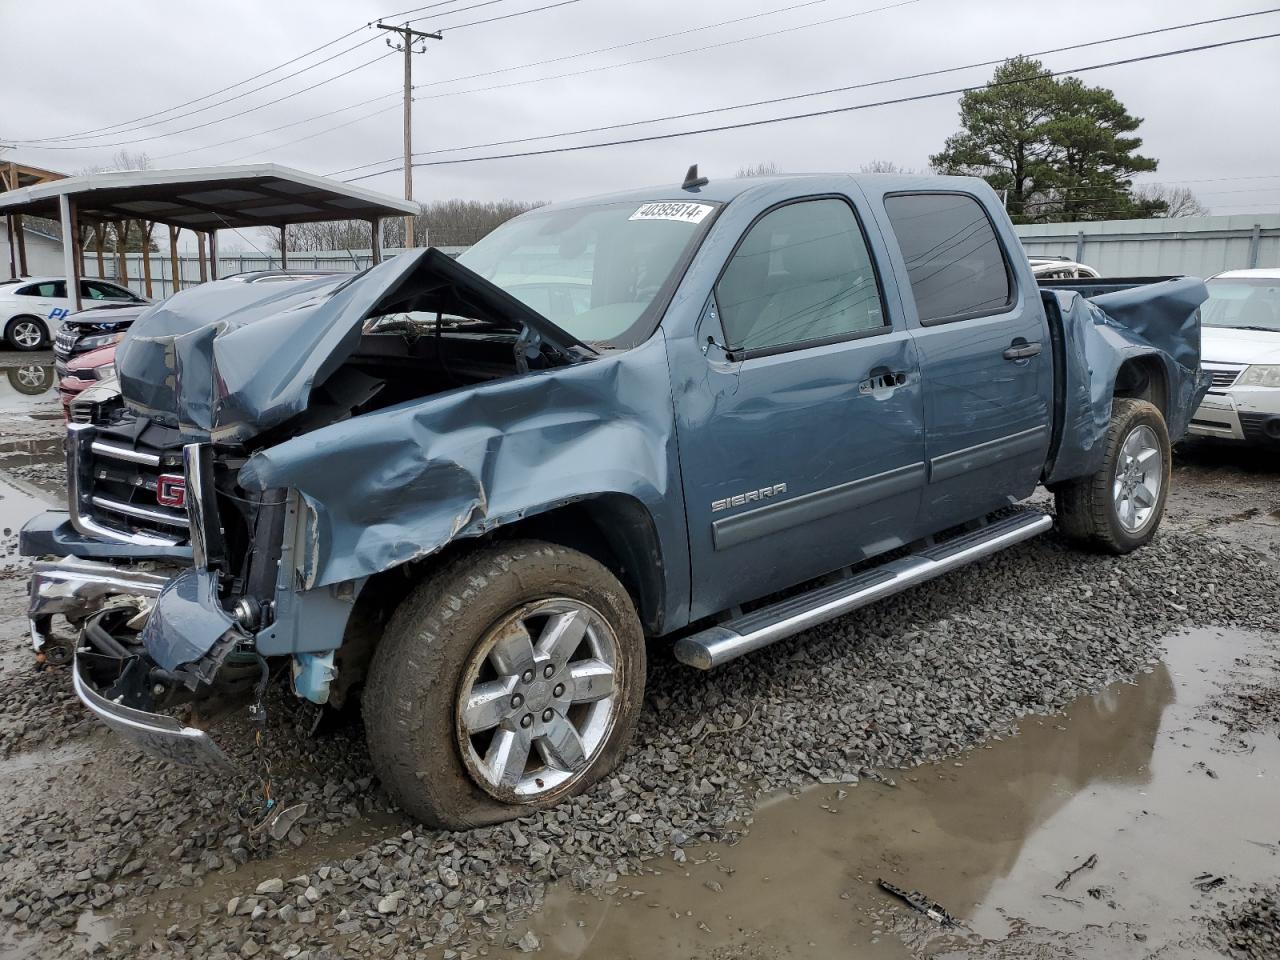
column 594, row 271
column 802, row 273
column 97, row 290
column 954, row 261
column 1244, row 303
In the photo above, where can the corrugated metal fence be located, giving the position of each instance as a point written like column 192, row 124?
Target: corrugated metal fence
column 1192, row 246
column 328, row 261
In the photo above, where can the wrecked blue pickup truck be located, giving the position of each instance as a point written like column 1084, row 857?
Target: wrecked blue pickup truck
column 467, row 492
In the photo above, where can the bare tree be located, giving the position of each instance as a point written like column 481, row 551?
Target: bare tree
column 446, row 223
column 1178, row 201
column 883, row 166
column 766, row 169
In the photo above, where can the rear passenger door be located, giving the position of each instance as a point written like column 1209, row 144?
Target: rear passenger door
column 985, row 356
column 799, row 417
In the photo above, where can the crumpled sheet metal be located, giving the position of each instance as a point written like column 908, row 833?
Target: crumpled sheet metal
column 1159, row 319
column 233, row 379
column 398, row 484
column 187, row 620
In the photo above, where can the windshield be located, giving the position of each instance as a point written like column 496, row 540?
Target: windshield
column 597, row 272
column 1243, row 303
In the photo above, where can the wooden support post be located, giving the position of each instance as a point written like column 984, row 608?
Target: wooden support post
column 122, row 248
column 21, row 230
column 148, row 226
column 79, row 256
column 213, row 254
column 375, row 243
column 13, row 248
column 204, row 263
column 284, row 248
column 173, row 258
column 98, row 241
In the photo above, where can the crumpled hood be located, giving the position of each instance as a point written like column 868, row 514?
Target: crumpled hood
column 228, row 360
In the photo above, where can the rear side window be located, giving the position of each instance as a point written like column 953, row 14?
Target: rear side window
column 801, row 274
column 53, row 289
column 954, row 261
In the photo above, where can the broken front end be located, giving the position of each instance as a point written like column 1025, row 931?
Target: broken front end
column 168, row 575
column 188, row 578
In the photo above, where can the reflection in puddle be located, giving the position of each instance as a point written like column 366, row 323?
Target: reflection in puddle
column 24, row 385
column 1135, row 775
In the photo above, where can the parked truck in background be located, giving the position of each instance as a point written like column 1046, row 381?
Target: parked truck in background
column 749, row 407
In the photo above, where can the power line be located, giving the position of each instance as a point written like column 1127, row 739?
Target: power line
column 209, row 123
column 628, row 44
column 276, row 129
column 846, row 16
column 191, row 113
column 505, row 16
column 319, row 133
column 115, row 127
column 814, row 93
column 649, row 138
column 677, row 53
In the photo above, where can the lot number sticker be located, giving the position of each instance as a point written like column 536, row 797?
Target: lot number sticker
column 673, row 210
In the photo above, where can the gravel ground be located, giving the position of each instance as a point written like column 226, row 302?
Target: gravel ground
column 924, row 675
column 128, row 855
column 1251, row 930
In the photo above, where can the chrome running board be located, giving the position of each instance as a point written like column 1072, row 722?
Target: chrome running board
column 725, row 641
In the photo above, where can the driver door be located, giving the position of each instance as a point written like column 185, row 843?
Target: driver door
column 801, row 430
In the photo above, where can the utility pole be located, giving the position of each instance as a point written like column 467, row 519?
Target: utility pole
column 408, row 38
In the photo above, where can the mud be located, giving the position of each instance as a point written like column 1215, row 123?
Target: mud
column 1165, row 779
column 1140, row 776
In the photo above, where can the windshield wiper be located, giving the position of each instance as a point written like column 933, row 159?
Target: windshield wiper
column 1249, row 327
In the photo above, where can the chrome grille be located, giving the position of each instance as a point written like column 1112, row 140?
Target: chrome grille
column 112, row 488
column 64, row 343
column 1223, row 374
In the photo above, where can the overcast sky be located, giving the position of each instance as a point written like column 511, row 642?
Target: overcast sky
column 1209, row 115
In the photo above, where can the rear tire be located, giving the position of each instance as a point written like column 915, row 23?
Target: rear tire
column 451, row 702
column 26, row 333
column 1119, row 507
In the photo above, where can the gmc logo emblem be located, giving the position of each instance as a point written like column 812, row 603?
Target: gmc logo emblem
column 171, row 490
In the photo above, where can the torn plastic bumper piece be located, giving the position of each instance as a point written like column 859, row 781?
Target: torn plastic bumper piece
column 77, row 588
column 154, row 733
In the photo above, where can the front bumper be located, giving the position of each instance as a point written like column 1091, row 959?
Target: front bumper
column 1244, row 414
column 78, row 588
column 155, row 733
column 176, row 627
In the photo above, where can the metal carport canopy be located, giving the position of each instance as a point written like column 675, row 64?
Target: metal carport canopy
column 201, row 199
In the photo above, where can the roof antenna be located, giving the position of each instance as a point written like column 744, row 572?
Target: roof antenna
column 692, row 181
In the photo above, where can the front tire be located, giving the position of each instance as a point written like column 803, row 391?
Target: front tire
column 26, row 333
column 510, row 680
column 1119, row 507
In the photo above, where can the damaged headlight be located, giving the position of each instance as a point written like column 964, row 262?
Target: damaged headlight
column 1260, row 375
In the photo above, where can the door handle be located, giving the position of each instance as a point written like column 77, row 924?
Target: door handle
column 1021, row 350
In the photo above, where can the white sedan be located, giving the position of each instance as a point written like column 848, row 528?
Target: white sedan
column 32, row 309
column 1240, row 349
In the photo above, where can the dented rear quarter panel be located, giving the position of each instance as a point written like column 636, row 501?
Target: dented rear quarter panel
column 1159, row 320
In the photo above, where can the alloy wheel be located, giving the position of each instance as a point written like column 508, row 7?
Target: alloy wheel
column 1139, row 473
column 538, row 699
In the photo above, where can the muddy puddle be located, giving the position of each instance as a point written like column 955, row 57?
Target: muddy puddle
column 1140, row 777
